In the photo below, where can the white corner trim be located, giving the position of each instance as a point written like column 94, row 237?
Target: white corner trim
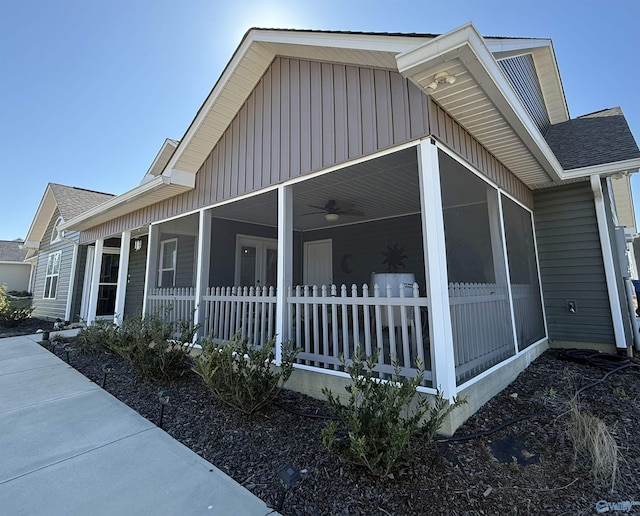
column 609, row 268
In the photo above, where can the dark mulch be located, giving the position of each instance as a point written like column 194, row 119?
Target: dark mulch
column 457, row 478
column 26, row 327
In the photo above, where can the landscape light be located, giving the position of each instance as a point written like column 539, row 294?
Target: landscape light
column 163, row 396
column 106, row 368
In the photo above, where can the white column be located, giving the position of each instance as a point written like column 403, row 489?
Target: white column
column 202, row 266
column 609, row 267
column 435, row 260
column 95, row 282
column 123, row 277
column 151, row 272
column 285, row 264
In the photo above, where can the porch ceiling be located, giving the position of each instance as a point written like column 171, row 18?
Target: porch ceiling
column 382, row 188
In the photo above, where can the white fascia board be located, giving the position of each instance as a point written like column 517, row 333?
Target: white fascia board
column 45, row 210
column 514, row 45
column 606, row 169
column 168, row 146
column 467, row 44
column 31, row 244
column 367, row 42
column 180, row 178
column 8, row 262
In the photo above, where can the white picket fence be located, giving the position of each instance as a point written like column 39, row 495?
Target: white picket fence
column 248, row 311
column 327, row 322
column 172, row 303
column 481, row 325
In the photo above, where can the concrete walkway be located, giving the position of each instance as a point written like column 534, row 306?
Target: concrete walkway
column 69, row 447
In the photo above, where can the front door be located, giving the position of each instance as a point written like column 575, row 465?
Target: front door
column 256, row 261
column 107, row 286
column 318, row 263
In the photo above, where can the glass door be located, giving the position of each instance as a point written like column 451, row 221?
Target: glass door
column 108, row 284
column 256, row 261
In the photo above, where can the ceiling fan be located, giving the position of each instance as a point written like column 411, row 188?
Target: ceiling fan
column 333, row 209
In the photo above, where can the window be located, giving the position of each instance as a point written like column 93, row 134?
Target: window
column 52, row 274
column 55, row 234
column 168, row 258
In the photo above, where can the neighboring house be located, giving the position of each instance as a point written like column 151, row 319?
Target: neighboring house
column 425, row 195
column 58, row 260
column 14, row 271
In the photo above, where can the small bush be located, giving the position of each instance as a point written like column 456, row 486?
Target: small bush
column 241, row 375
column 100, row 336
column 377, row 421
column 156, row 349
column 13, row 311
column 593, row 444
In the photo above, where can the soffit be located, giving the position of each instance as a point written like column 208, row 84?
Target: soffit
column 482, row 101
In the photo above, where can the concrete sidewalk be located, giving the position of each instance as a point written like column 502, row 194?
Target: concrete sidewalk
column 69, row 447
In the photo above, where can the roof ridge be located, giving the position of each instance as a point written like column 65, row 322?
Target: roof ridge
column 83, row 189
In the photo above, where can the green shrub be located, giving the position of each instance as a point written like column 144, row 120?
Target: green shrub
column 241, row 375
column 381, row 417
column 157, row 349
column 100, row 336
column 13, row 311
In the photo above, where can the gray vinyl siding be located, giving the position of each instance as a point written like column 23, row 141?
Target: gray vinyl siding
column 571, row 264
column 53, row 308
column 135, row 282
column 521, row 74
column 305, row 116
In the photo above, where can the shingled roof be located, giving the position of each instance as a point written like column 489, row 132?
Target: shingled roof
column 10, row 251
column 73, row 201
column 593, row 139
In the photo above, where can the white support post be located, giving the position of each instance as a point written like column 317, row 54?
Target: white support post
column 202, row 266
column 95, row 282
column 435, row 260
column 285, row 264
column 505, row 264
column 123, row 277
column 151, row 272
column 609, row 267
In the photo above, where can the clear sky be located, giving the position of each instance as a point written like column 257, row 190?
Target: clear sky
column 89, row 89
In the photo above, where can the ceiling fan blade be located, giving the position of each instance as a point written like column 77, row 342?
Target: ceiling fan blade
column 313, row 213
column 317, row 207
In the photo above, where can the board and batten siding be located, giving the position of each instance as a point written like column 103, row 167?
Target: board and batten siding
column 53, row 308
column 571, row 264
column 304, row 116
column 521, row 74
column 135, row 282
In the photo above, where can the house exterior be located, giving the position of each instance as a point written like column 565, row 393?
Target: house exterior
column 14, row 271
column 57, row 260
column 428, row 196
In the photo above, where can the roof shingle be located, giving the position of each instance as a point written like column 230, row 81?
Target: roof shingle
column 593, row 139
column 73, row 201
column 10, row 251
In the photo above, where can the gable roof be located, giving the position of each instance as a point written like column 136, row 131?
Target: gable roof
column 481, row 99
column 12, row 251
column 593, row 139
column 70, row 201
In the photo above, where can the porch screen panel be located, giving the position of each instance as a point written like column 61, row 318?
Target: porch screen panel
column 523, row 272
column 478, row 290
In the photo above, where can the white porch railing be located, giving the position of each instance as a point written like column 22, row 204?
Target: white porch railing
column 481, row 326
column 172, row 303
column 326, row 322
column 249, row 311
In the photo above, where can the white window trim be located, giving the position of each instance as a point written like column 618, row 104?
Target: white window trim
column 175, row 263
column 55, row 234
column 51, row 258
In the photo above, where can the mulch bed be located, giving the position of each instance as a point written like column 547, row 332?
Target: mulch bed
column 539, row 474
column 27, row 327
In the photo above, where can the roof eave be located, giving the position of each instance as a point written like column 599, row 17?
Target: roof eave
column 157, row 190
column 628, row 166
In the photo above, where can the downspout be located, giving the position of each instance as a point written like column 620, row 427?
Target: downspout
column 607, row 256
